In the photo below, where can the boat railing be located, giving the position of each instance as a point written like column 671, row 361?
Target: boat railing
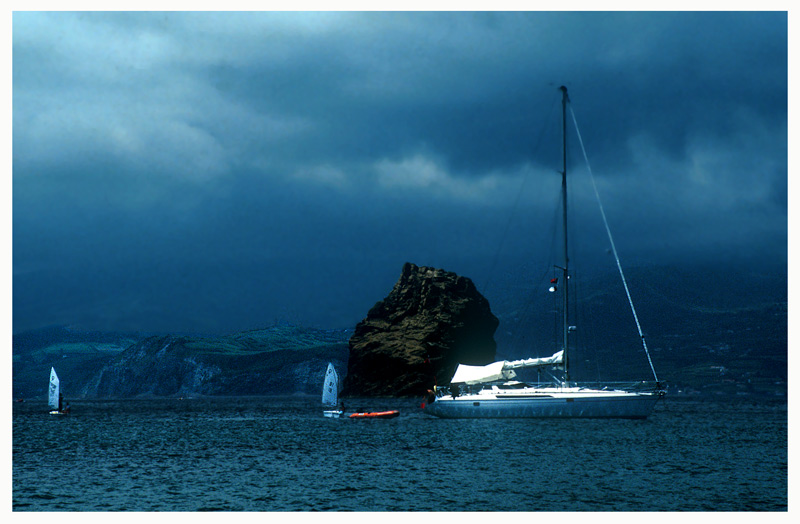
column 632, row 386
column 456, row 390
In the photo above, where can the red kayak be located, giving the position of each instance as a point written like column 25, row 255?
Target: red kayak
column 377, row 414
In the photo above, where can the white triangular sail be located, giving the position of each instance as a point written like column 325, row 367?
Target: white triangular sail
column 501, row 370
column 52, row 397
column 330, row 388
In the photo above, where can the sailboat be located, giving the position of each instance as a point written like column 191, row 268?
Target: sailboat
column 491, row 392
column 330, row 397
column 54, row 398
column 330, row 392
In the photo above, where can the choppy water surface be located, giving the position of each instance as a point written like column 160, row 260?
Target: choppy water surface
column 272, row 454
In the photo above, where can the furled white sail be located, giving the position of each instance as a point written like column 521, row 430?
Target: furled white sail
column 330, row 388
column 501, row 370
column 556, row 358
column 52, row 397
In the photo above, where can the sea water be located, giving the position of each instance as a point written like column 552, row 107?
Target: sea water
column 281, row 454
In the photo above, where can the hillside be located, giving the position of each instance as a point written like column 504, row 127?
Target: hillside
column 277, row 360
column 77, row 355
column 709, row 331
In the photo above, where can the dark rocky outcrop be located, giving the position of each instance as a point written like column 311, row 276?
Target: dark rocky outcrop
column 431, row 321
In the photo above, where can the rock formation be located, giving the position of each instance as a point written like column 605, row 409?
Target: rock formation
column 275, row 361
column 431, row 321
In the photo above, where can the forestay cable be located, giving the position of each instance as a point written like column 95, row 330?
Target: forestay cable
column 613, row 246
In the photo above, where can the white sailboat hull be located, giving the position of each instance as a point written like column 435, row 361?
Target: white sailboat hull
column 561, row 404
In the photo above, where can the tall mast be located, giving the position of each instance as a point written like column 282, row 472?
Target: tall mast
column 565, row 287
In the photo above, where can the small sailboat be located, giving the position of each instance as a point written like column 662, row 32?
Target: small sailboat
column 55, row 400
column 330, row 397
column 491, row 392
column 330, row 392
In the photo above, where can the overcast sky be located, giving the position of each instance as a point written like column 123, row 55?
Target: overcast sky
column 214, row 172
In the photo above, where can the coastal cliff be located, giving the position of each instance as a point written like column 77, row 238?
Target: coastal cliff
column 431, row 321
column 276, row 361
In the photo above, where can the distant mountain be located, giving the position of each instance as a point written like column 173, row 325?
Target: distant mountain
column 277, row 360
column 712, row 330
column 76, row 355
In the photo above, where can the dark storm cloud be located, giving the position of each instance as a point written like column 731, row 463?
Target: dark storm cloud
column 218, row 171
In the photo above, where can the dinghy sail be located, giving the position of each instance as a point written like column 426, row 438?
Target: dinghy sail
column 54, row 392
column 54, row 398
column 330, row 392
